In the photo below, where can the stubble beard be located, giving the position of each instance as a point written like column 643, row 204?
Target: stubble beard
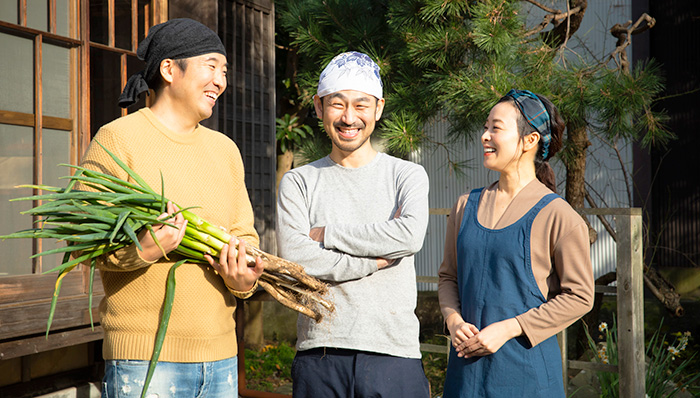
column 348, row 146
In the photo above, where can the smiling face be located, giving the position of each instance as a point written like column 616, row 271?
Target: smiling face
column 195, row 89
column 349, row 118
column 503, row 145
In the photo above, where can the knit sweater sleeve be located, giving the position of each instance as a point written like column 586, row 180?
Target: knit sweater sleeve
column 126, row 258
column 391, row 239
column 294, row 243
column 244, row 225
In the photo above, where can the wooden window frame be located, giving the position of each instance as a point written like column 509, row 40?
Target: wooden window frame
column 25, row 299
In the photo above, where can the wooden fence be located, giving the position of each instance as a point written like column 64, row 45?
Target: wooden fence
column 630, row 304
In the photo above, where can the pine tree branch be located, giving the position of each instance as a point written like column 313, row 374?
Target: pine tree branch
column 664, row 291
column 453, row 165
column 568, row 34
column 661, row 288
column 330, row 13
column 553, row 17
column 597, row 194
column 543, row 7
column 545, row 21
column 623, row 33
column 601, row 218
column 560, row 33
column 625, row 175
column 624, row 172
column 659, row 99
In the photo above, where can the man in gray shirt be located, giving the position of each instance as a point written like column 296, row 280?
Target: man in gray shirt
column 355, row 219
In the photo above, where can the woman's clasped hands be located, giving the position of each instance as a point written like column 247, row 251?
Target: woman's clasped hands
column 469, row 341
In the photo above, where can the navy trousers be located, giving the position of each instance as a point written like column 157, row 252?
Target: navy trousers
column 339, row 373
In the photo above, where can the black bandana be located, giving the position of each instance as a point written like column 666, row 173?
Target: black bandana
column 174, row 39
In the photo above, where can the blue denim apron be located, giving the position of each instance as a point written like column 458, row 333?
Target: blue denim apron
column 496, row 283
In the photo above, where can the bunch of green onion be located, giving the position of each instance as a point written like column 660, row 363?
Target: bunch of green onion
column 94, row 223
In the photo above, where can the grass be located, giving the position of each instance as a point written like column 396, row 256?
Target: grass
column 270, row 367
column 435, row 366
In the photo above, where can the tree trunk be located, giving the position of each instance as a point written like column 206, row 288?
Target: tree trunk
column 664, row 291
column 576, row 146
column 284, row 164
column 563, row 30
column 253, row 332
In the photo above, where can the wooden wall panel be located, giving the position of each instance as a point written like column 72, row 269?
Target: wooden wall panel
column 30, row 319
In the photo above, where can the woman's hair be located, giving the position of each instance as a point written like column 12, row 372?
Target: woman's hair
column 543, row 170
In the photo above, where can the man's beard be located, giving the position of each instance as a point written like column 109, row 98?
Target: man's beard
column 350, row 145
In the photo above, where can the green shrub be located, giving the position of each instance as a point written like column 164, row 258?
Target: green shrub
column 269, row 367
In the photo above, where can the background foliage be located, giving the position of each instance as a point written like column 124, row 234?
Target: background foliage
column 456, row 58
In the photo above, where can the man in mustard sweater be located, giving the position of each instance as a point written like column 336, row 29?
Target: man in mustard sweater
column 186, row 67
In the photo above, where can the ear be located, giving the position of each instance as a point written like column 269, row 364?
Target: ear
column 167, row 67
column 379, row 110
column 318, row 105
column 530, row 141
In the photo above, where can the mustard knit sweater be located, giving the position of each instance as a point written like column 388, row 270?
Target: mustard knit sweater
column 202, row 169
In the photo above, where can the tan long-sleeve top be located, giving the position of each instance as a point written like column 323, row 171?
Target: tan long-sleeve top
column 202, row 169
column 560, row 255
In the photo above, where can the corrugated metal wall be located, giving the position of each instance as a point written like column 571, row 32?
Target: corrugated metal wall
column 604, row 170
column 247, row 29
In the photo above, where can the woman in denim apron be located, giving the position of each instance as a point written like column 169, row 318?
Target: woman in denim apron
column 517, row 266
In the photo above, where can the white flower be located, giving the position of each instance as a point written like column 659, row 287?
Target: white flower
column 603, row 327
column 603, row 354
column 674, row 351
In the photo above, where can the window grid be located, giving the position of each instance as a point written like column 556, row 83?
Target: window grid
column 33, row 288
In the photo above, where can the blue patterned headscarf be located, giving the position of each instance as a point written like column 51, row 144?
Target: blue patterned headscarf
column 536, row 115
column 350, row 71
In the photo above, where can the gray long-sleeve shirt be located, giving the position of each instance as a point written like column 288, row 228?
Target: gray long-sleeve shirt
column 374, row 309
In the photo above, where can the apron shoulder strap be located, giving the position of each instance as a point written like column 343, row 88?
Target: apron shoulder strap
column 474, row 197
column 546, row 199
column 471, row 207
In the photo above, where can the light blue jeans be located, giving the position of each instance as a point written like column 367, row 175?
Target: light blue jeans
column 125, row 378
